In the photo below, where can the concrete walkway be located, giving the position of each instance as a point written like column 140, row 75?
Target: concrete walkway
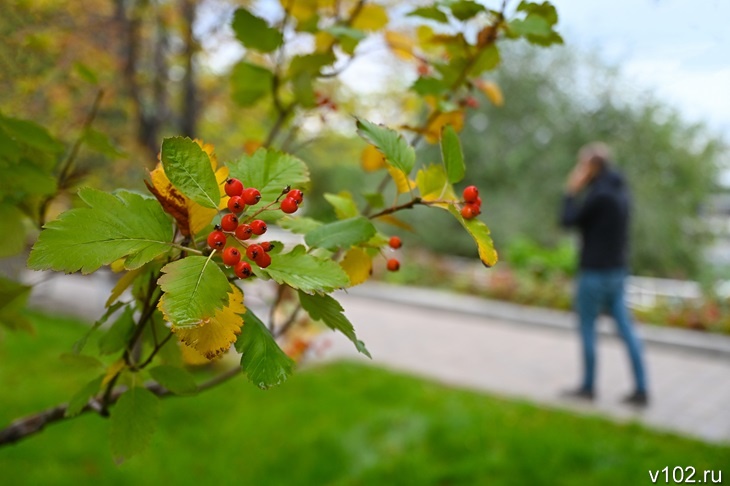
column 504, row 349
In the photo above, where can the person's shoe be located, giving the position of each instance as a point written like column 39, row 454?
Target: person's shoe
column 637, row 399
column 579, row 394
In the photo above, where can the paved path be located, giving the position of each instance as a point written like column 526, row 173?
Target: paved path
column 504, row 349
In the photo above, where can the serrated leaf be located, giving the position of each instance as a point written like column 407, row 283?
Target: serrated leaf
column 101, row 143
column 194, row 288
column 263, row 361
column 79, row 345
column 123, row 284
column 480, row 232
column 488, row 59
column 188, row 168
column 327, row 310
column 452, row 155
column 81, row 397
column 305, row 272
column 432, row 133
column 213, row 338
column 254, row 32
column 117, row 336
column 133, row 421
column 270, row 171
column 375, row 200
column 80, row 361
column 12, row 230
column 310, row 64
column 175, row 379
column 343, row 205
column 341, row 234
column 250, row 83
column 394, row 221
column 31, row 134
column 113, row 370
column 299, row 225
column 370, row 17
column 402, row 183
column 24, row 179
column 433, row 184
column 358, row 265
column 426, row 86
column 466, row 9
column 431, row 13
column 397, row 151
column 123, row 225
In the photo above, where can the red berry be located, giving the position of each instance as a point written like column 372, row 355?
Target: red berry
column 267, row 246
column 234, row 187
column 216, row 240
column 229, row 222
column 243, row 232
column 253, row 251
column 393, row 265
column 263, row 260
column 251, row 196
column 289, row 205
column 258, row 227
column 236, row 204
column 231, row 256
column 395, row 242
column 242, row 269
column 297, row 195
column 471, row 193
column 470, row 211
column 471, row 102
column 478, row 201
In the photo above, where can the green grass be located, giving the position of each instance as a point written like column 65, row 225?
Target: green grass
column 337, row 424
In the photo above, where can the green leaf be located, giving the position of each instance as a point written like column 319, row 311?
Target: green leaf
column 480, row 232
column 326, row 309
column 13, row 297
column 433, row 184
column 466, row 9
column 81, row 397
column 343, row 204
column 341, row 234
column 303, row 271
column 452, row 155
column 188, row 167
column 263, row 361
column 86, row 73
column 100, row 142
column 303, row 89
column 254, row 32
column 194, row 289
column 532, row 25
column 9, row 149
column 545, row 10
column 114, row 226
column 133, row 421
column 397, row 151
column 81, row 343
column 299, row 225
column 310, row 64
column 116, row 338
column 81, row 362
column 31, row 134
column 12, row 230
column 23, row 179
column 270, row 171
column 250, row 83
column 432, row 13
column 488, row 59
column 425, row 86
column 375, row 200
column 175, row 379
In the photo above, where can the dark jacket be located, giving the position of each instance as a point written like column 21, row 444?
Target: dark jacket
column 601, row 214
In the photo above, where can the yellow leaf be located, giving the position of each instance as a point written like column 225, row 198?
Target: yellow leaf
column 425, row 37
column 371, row 17
column 402, row 183
column 400, row 44
column 191, row 357
column 117, row 265
column 323, row 41
column 358, row 265
column 122, row 285
column 491, row 91
column 372, row 160
column 301, row 10
column 213, row 337
column 394, row 221
column 114, row 369
column 251, row 146
column 453, row 118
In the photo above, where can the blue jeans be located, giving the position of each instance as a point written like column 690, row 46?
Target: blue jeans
column 603, row 290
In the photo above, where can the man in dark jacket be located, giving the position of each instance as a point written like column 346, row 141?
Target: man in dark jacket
column 597, row 202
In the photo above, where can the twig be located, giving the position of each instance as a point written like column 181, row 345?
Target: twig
column 409, row 205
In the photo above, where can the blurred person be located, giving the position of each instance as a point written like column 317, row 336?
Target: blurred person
column 597, row 202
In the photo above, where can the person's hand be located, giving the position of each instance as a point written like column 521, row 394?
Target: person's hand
column 579, row 177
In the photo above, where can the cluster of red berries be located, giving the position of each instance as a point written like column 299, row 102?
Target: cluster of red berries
column 393, row 264
column 240, row 198
column 472, row 203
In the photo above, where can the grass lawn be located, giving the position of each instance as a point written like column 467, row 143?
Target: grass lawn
column 336, row 424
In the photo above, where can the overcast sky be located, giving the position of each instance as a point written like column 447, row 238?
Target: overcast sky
column 679, row 49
